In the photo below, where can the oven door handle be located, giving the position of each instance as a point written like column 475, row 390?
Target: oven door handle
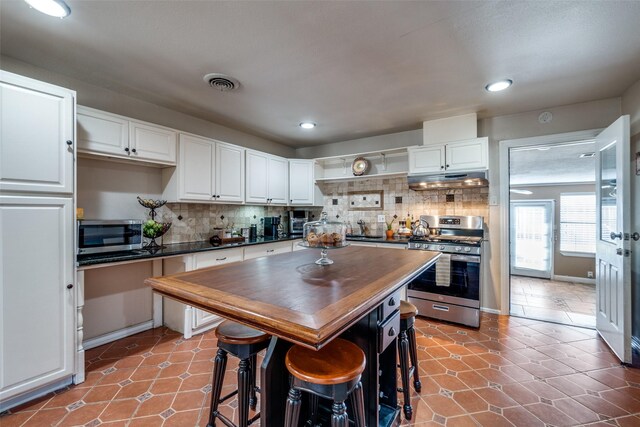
column 466, row 258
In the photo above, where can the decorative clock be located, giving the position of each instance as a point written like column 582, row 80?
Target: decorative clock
column 360, row 166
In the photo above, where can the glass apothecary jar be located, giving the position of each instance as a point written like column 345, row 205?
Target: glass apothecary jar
column 324, row 234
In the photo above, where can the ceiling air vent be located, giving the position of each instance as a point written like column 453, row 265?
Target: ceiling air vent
column 221, row 82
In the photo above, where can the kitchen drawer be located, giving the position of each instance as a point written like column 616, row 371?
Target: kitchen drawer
column 388, row 331
column 390, row 304
column 257, row 251
column 217, row 257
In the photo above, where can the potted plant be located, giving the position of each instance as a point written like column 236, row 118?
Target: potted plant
column 389, row 229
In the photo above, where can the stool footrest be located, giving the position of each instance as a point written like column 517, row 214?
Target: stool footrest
column 228, row 396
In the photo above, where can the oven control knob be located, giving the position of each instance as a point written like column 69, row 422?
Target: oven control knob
column 467, row 249
column 458, row 248
column 441, row 247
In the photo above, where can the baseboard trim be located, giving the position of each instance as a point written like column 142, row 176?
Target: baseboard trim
column 6, row 404
column 490, row 310
column 116, row 335
column 574, row 279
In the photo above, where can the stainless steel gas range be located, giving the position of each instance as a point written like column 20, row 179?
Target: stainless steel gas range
column 450, row 289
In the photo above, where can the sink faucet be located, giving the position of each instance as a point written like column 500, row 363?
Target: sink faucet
column 363, row 229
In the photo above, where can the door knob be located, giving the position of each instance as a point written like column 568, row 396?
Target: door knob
column 635, row 236
column 615, row 236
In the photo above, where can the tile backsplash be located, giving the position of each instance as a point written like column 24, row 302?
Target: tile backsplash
column 199, row 219
column 399, row 200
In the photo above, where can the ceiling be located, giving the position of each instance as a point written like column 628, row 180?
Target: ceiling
column 355, row 68
column 552, row 164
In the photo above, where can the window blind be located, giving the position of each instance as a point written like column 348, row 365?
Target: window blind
column 578, row 222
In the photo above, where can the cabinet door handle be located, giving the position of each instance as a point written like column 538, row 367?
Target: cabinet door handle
column 447, row 165
column 69, row 142
column 133, row 150
column 221, row 259
column 392, row 302
column 392, row 332
column 126, row 149
column 441, row 167
column 270, row 250
column 69, row 286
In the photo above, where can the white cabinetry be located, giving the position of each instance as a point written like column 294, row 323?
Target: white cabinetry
column 111, row 135
column 257, row 251
column 207, row 170
column 467, row 155
column 184, row 318
column 267, row 178
column 302, row 185
column 37, row 292
column 37, row 134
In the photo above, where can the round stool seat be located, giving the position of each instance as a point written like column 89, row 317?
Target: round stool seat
column 235, row 333
column 338, row 362
column 407, row 310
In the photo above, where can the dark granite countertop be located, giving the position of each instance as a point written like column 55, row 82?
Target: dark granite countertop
column 396, row 239
column 191, row 247
column 168, row 250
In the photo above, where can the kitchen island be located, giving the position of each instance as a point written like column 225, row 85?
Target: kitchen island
column 300, row 302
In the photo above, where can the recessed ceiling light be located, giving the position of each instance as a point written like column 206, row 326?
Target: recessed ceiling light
column 499, row 85
column 307, row 125
column 516, row 191
column 56, row 8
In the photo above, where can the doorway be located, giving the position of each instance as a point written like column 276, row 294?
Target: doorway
column 552, row 232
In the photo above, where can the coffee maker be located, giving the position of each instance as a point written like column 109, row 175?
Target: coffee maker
column 271, row 224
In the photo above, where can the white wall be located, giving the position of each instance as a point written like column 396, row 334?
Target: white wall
column 363, row 145
column 108, row 190
column 631, row 106
column 566, row 118
column 118, row 103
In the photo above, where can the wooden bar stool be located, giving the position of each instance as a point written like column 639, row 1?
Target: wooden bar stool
column 244, row 343
column 332, row 372
column 406, row 350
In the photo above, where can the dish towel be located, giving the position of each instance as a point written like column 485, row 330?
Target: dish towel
column 443, row 270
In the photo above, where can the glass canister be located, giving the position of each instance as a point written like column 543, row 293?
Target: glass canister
column 324, row 234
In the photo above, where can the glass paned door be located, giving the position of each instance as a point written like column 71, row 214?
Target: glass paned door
column 532, row 238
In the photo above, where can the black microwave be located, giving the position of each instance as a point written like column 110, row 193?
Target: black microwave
column 99, row 236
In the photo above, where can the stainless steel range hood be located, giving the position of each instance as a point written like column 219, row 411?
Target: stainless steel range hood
column 448, row 180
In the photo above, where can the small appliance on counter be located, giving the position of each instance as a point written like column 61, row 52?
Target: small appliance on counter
column 271, row 227
column 101, row 236
column 297, row 218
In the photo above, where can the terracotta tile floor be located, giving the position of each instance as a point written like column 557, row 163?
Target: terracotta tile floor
column 510, row 372
column 562, row 302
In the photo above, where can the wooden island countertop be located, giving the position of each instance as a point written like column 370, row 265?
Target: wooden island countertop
column 291, row 297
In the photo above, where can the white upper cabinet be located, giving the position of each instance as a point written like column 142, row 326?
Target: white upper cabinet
column 195, row 169
column 207, row 170
column 151, row 142
column 229, row 173
column 426, row 159
column 301, row 182
column 111, row 135
column 37, row 134
column 267, row 178
column 100, row 132
column 278, row 180
column 467, row 155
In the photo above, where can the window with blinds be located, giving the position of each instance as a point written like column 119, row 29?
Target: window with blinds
column 578, row 222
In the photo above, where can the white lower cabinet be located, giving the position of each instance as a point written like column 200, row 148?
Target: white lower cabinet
column 184, row 318
column 257, row 251
column 37, row 294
